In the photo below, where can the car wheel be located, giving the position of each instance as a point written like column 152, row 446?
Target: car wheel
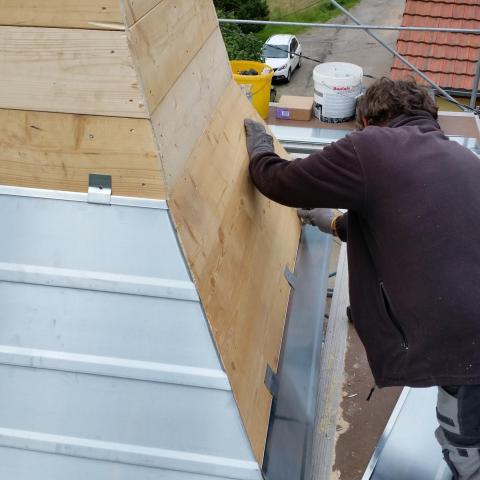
column 289, row 75
column 299, row 61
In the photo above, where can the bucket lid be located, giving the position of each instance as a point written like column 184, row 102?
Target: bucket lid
column 338, row 73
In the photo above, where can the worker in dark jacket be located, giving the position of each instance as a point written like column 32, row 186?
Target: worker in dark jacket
column 413, row 239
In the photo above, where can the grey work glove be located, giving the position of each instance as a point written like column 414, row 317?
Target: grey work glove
column 318, row 217
column 258, row 140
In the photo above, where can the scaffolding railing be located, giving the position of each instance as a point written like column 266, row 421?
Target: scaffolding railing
column 368, row 28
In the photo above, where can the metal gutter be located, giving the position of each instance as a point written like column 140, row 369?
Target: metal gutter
column 288, row 453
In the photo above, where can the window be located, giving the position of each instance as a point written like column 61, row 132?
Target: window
column 275, row 51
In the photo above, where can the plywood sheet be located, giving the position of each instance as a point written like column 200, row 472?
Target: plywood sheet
column 136, row 9
column 166, row 40
column 58, row 151
column 237, row 244
column 190, row 103
column 74, row 71
column 60, row 13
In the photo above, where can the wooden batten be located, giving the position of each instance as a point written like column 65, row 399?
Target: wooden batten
column 58, row 151
column 237, row 244
column 72, row 71
column 166, row 40
column 96, row 14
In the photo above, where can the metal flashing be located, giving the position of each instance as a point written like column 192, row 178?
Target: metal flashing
column 288, row 453
column 138, row 202
column 98, row 281
column 290, row 277
column 129, row 454
column 99, row 189
column 114, row 367
column 271, row 381
column 407, row 448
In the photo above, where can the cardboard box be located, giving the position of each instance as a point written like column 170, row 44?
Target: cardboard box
column 294, row 108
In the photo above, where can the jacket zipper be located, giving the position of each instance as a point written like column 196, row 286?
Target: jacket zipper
column 391, row 315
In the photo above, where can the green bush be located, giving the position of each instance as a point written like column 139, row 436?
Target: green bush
column 240, row 46
column 245, row 10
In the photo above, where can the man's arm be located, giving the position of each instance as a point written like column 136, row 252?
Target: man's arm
column 331, row 177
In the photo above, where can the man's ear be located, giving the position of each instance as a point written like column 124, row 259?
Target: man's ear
column 364, row 122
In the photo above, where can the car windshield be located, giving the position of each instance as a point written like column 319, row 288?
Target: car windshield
column 275, row 51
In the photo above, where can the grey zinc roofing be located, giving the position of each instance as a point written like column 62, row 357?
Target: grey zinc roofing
column 107, row 365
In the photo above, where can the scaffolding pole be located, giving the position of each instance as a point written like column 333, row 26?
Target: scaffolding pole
column 475, row 31
column 473, row 98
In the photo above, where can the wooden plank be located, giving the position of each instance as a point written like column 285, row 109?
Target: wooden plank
column 137, row 9
column 166, row 40
column 73, row 71
column 58, row 151
column 237, row 244
column 331, row 374
column 60, row 13
column 192, row 101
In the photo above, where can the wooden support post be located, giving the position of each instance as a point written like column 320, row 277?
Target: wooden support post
column 331, row 375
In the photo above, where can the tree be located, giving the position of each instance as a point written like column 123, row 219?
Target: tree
column 245, row 10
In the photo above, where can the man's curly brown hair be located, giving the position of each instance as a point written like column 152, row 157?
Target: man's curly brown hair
column 386, row 99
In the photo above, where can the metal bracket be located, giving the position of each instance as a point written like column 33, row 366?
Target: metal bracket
column 271, row 381
column 290, row 277
column 99, row 189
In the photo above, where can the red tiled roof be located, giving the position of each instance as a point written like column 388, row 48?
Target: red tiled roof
column 449, row 59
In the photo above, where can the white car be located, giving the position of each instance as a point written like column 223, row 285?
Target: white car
column 284, row 54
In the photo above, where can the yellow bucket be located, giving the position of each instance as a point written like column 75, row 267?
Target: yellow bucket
column 255, row 87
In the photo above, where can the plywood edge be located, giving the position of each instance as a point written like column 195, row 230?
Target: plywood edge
column 164, row 42
column 69, row 70
column 237, row 244
column 58, row 151
column 82, row 14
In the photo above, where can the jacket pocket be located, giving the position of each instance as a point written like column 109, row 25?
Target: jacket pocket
column 392, row 317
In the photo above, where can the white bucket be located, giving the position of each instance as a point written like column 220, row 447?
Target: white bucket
column 337, row 87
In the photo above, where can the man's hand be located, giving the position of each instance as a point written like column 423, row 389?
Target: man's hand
column 318, row 217
column 258, row 140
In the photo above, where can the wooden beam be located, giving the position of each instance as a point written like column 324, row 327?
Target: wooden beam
column 166, row 40
column 60, row 13
column 72, row 71
column 237, row 244
column 192, row 101
column 58, row 151
column 331, row 374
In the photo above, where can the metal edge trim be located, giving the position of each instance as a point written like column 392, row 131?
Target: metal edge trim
column 386, row 433
column 114, row 367
column 129, row 454
column 98, row 281
column 446, row 113
column 81, row 197
column 477, row 123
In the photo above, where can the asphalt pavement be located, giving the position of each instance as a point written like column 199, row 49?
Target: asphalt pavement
column 352, row 46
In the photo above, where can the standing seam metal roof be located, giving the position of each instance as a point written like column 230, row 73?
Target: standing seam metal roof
column 449, row 59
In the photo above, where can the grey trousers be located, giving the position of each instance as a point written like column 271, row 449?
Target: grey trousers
column 458, row 413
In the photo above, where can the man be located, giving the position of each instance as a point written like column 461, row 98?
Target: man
column 413, row 239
